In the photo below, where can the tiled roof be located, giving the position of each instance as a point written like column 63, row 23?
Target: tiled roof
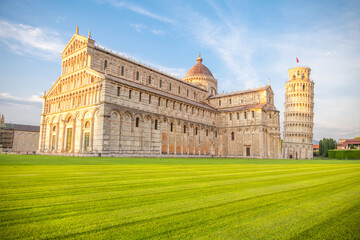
column 351, row 141
column 264, row 106
column 198, row 69
column 161, row 93
column 239, row 92
column 22, row 127
column 241, row 108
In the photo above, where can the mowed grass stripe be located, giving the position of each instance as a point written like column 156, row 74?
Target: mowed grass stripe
column 69, row 184
column 188, row 219
column 155, row 194
column 106, row 204
column 210, row 200
column 126, row 193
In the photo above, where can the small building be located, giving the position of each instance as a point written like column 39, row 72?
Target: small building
column 316, row 148
column 345, row 144
column 18, row 138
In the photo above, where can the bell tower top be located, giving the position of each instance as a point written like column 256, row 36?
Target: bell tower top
column 299, row 73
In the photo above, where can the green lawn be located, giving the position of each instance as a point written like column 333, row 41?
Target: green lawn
column 44, row 197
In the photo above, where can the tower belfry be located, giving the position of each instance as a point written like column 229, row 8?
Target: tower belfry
column 298, row 115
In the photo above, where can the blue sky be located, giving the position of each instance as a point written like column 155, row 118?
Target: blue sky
column 243, row 43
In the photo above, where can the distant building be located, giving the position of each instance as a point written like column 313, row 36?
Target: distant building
column 18, row 138
column 316, row 148
column 345, row 143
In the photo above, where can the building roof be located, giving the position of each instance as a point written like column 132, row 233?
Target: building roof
column 198, row 69
column 248, row 107
column 21, row 127
column 349, row 141
column 161, row 93
column 239, row 92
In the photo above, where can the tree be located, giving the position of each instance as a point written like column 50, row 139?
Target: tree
column 321, row 148
column 325, row 145
column 352, row 146
column 357, row 138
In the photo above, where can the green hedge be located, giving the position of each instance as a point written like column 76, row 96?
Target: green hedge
column 344, row 154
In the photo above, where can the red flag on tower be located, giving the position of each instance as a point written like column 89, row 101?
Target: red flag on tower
column 297, row 60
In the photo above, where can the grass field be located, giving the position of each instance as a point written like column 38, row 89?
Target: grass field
column 44, row 197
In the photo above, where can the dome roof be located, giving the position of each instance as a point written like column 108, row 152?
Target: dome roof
column 198, row 69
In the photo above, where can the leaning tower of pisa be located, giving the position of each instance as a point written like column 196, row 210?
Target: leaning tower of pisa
column 298, row 115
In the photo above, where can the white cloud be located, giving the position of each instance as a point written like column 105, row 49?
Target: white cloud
column 141, row 28
column 8, row 98
column 140, row 10
column 253, row 56
column 28, row 40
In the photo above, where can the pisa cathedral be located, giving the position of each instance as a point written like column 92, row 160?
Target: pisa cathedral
column 104, row 104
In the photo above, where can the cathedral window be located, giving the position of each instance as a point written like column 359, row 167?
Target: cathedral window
column 187, row 92
column 207, row 132
column 122, row 70
column 167, row 102
column 129, row 94
column 139, row 97
column 169, row 86
column 137, row 122
column 219, row 102
column 156, row 124
column 160, row 83
column 232, row 136
column 105, row 64
column 118, row 91
column 137, row 75
column 270, row 115
column 159, row 101
column 87, row 124
column 244, row 115
column 230, row 116
column 149, row 99
column 178, row 90
column 238, row 116
column 230, row 101
column 196, row 131
column 216, row 134
column 149, row 80
column 303, row 87
column 184, row 128
column 194, row 95
column 174, row 105
column 171, row 127
column 253, row 114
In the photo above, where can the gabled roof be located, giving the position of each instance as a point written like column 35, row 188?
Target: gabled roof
column 264, row 106
column 159, row 92
column 72, row 40
column 240, row 92
column 21, row 127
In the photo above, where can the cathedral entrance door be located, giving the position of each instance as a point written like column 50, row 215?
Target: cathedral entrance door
column 68, row 139
column 86, row 141
column 248, row 152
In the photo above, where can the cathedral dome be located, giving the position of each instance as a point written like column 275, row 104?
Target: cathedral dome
column 198, row 69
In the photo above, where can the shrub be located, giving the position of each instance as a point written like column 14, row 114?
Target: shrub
column 344, row 154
